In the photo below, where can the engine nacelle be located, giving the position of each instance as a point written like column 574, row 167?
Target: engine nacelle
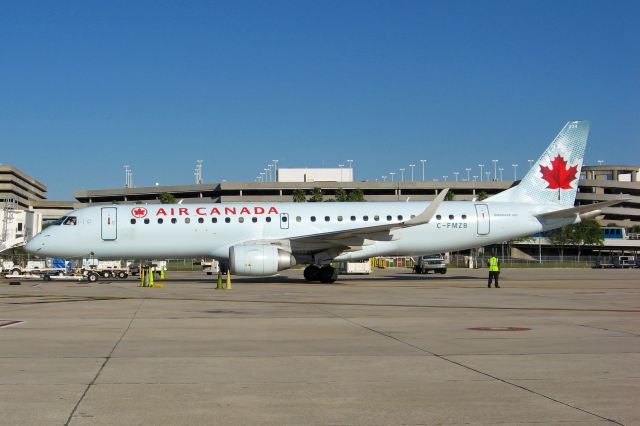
column 259, row 259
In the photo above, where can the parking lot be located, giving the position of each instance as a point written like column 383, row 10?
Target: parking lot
column 552, row 346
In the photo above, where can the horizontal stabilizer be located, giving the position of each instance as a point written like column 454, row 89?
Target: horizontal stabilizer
column 580, row 209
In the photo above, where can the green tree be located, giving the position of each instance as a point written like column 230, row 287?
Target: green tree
column 341, row 195
column 356, row 195
column 316, row 196
column 482, row 195
column 587, row 232
column 450, row 196
column 166, row 198
column 299, row 196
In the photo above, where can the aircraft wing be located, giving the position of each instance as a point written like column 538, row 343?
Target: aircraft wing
column 358, row 237
column 587, row 210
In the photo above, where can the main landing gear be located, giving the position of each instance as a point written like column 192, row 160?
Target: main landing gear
column 326, row 274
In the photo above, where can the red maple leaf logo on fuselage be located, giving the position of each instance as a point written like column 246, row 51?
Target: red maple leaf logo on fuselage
column 559, row 176
column 139, row 212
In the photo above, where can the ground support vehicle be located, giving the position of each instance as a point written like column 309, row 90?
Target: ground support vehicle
column 431, row 263
column 104, row 268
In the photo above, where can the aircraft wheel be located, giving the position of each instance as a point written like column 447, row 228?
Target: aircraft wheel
column 92, row 277
column 312, row 273
column 328, row 274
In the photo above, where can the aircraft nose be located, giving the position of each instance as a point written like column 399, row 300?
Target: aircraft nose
column 34, row 245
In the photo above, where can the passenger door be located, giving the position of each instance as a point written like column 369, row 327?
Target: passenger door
column 482, row 213
column 109, row 223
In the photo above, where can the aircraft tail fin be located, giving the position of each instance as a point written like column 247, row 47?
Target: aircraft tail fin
column 553, row 179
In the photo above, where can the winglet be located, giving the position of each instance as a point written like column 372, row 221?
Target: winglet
column 428, row 213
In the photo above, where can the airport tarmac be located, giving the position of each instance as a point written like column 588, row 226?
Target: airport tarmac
column 552, row 346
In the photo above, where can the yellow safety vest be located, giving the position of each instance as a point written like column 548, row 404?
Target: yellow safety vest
column 493, row 264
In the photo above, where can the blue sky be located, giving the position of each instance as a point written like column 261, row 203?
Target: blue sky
column 88, row 86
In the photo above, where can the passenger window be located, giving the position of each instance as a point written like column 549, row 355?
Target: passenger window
column 412, row 216
column 200, row 220
column 268, row 219
column 389, row 217
column 438, row 217
column 174, row 220
column 254, row 219
column 284, row 218
column 376, row 218
column 298, row 219
column 146, row 221
column 133, row 221
column 227, row 219
column 339, row 218
column 399, row 217
column 241, row 219
column 451, row 217
column 353, row 218
column 365, row 218
column 327, row 218
column 187, row 220
column 313, row 218
column 464, row 216
column 71, row 220
column 160, row 220
column 214, row 220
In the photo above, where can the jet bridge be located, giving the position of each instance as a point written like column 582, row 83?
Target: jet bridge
column 17, row 226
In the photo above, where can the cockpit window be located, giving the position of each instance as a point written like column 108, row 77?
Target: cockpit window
column 70, row 220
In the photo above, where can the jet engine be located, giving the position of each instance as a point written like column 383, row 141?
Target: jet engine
column 259, row 259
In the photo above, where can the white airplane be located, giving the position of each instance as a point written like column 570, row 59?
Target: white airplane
column 263, row 238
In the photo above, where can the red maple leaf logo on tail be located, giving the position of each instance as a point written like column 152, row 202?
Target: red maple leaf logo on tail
column 559, row 176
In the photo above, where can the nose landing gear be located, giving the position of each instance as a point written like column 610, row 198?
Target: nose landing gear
column 326, row 274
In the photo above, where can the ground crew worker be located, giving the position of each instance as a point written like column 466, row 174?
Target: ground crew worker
column 494, row 269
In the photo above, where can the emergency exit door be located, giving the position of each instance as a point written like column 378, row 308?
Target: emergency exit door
column 482, row 213
column 109, row 223
column 284, row 220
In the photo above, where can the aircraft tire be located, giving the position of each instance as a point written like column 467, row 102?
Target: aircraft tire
column 312, row 273
column 328, row 274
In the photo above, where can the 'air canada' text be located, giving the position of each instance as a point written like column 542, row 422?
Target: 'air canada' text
column 211, row 211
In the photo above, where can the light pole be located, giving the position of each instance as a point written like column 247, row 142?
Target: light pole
column 445, row 178
column 275, row 170
column 501, row 169
column 456, row 175
column 481, row 166
column 402, row 174
column 384, row 178
column 392, row 173
column 488, row 174
column 495, row 169
column 423, row 161
column 530, row 163
column 468, row 169
column 475, row 178
column 267, row 174
column 262, row 176
column 600, row 162
column 412, row 166
column 515, row 174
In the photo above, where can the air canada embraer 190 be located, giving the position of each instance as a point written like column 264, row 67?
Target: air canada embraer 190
column 264, row 238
